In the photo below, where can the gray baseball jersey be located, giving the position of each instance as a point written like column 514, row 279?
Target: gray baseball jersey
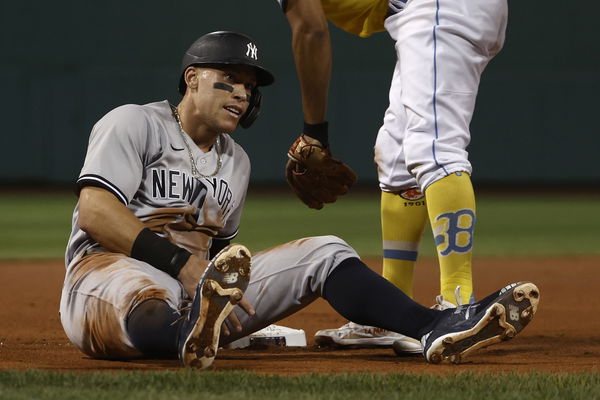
column 138, row 153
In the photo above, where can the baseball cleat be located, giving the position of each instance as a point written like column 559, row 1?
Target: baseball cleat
column 356, row 335
column 464, row 329
column 406, row 345
column 220, row 288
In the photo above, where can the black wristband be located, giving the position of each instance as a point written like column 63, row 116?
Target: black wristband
column 318, row 131
column 159, row 252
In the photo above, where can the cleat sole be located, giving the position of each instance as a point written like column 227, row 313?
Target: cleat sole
column 223, row 287
column 502, row 321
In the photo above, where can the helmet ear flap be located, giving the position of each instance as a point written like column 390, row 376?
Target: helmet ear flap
column 253, row 109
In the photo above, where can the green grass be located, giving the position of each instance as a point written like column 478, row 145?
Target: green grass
column 538, row 225
column 532, row 225
column 187, row 384
column 37, row 225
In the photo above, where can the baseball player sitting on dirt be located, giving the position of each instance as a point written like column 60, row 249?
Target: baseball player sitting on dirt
column 150, row 271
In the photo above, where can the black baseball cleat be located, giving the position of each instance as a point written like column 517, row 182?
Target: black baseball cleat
column 467, row 328
column 220, row 288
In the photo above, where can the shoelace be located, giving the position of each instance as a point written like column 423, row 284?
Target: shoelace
column 442, row 304
column 181, row 311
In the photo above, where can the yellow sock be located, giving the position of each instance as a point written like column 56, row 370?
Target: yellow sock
column 451, row 207
column 403, row 218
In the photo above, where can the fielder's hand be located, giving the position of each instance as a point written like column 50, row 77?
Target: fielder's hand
column 314, row 175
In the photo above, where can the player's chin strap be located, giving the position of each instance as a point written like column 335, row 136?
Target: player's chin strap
column 253, row 109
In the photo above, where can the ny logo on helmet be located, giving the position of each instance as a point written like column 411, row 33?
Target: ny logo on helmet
column 252, row 51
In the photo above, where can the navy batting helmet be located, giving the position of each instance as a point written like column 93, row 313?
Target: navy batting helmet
column 224, row 47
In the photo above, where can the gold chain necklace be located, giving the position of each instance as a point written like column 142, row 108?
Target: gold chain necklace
column 195, row 173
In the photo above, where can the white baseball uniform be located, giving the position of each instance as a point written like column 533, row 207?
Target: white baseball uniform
column 442, row 48
column 137, row 153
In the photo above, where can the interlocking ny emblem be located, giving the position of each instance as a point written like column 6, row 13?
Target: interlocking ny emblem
column 456, row 231
column 252, row 51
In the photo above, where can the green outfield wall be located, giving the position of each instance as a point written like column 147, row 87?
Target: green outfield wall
column 65, row 64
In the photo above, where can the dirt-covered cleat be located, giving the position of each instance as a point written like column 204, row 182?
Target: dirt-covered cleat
column 220, row 288
column 356, row 335
column 464, row 329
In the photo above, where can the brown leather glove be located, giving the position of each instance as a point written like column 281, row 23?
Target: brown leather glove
column 314, row 175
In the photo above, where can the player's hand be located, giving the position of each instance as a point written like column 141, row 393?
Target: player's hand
column 190, row 274
column 233, row 318
column 314, row 175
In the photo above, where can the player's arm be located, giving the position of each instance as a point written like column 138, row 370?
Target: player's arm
column 311, row 172
column 117, row 229
column 107, row 220
column 121, row 141
column 311, row 47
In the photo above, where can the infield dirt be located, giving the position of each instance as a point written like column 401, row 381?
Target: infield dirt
column 563, row 337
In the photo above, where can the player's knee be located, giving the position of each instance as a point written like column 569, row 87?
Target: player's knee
column 329, row 240
column 333, row 246
column 436, row 172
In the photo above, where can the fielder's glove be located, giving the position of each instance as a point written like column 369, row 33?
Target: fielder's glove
column 314, row 175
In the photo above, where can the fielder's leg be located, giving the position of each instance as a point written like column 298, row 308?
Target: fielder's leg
column 403, row 210
column 403, row 218
column 443, row 47
column 451, row 205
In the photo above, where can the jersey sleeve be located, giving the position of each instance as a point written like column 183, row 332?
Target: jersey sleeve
column 116, row 153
